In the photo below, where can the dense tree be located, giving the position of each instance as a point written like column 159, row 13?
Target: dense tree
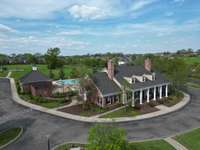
column 51, row 57
column 106, row 137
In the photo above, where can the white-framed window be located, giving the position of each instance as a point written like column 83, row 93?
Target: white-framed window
column 133, row 80
column 143, row 79
column 153, row 76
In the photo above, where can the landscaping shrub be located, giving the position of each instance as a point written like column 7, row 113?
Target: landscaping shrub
column 137, row 106
column 161, row 101
column 152, row 103
column 59, row 95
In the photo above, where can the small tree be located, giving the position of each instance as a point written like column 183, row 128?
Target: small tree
column 106, row 137
column 51, row 74
column 61, row 73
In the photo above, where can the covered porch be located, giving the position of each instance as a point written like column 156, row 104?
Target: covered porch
column 149, row 93
column 109, row 100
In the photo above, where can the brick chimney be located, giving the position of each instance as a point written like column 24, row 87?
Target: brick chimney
column 147, row 64
column 110, row 69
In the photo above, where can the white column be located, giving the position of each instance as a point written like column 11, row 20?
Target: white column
column 154, row 93
column 141, row 96
column 147, row 95
column 133, row 98
column 160, row 92
column 166, row 91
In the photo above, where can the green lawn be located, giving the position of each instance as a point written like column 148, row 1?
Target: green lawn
column 151, row 145
column 190, row 140
column 191, row 60
column 3, row 73
column 44, row 102
column 20, row 70
column 9, row 135
column 148, row 145
column 195, row 85
column 124, row 112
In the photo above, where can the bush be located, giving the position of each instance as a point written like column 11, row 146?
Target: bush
column 161, row 101
column 59, row 95
column 87, row 105
column 137, row 106
column 152, row 103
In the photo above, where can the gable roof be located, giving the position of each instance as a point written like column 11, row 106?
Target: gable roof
column 34, row 76
column 128, row 70
column 105, row 84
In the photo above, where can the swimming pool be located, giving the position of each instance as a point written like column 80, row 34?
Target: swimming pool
column 68, row 81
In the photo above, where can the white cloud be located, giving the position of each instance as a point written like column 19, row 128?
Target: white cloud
column 4, row 28
column 81, row 9
column 86, row 12
column 31, row 9
column 72, row 32
column 139, row 4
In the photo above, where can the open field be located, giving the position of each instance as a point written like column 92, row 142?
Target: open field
column 190, row 140
column 148, row 145
column 9, row 135
column 191, row 60
column 20, row 70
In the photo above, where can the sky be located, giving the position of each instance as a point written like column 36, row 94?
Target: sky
column 98, row 26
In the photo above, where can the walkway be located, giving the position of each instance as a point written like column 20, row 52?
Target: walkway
column 175, row 144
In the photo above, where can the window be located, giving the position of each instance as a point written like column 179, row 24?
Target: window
column 143, row 79
column 154, row 76
column 133, row 80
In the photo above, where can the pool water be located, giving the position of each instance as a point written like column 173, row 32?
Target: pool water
column 68, row 81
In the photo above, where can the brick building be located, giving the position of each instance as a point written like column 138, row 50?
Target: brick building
column 36, row 84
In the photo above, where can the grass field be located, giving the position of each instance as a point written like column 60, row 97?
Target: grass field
column 194, row 85
column 19, row 70
column 190, row 140
column 191, row 60
column 124, row 112
column 148, row 145
column 9, row 135
column 151, row 145
column 3, row 73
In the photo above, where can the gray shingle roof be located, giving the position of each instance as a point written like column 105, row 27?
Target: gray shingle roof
column 34, row 76
column 127, row 71
column 104, row 84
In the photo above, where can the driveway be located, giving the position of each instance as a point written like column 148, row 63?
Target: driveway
column 38, row 125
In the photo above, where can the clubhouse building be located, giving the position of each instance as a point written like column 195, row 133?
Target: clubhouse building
column 129, row 84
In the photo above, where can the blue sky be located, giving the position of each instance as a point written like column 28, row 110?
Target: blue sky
column 99, row 26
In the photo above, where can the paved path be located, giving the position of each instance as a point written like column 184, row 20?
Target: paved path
column 175, row 144
column 9, row 74
column 37, row 125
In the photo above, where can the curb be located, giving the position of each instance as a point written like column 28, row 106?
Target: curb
column 56, row 146
column 174, row 108
column 13, row 140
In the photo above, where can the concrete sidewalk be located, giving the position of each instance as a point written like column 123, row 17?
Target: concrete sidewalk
column 17, row 99
column 175, row 144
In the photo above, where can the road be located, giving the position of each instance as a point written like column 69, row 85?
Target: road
column 39, row 125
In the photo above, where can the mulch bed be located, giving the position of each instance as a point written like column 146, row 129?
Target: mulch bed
column 78, row 110
column 146, row 108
